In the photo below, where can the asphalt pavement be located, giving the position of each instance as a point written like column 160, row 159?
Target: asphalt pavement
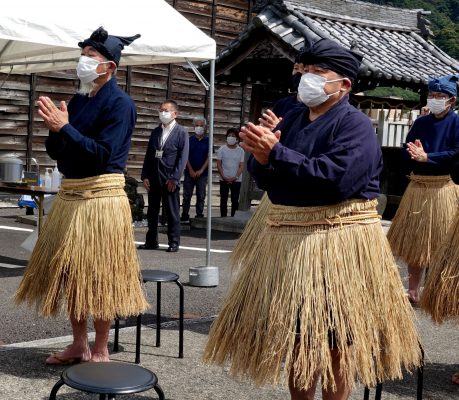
column 26, row 340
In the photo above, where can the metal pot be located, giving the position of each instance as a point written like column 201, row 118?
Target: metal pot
column 10, row 169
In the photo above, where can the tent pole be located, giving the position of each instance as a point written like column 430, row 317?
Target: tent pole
column 209, row 169
column 207, row 275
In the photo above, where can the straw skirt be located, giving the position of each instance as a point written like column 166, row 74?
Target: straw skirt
column 252, row 230
column 327, row 272
column 85, row 261
column 440, row 297
column 423, row 217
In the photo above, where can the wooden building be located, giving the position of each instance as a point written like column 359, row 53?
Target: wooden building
column 256, row 43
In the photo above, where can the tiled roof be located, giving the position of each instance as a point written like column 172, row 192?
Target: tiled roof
column 394, row 42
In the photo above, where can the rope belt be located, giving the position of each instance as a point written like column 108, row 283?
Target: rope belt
column 75, row 195
column 431, row 180
column 356, row 217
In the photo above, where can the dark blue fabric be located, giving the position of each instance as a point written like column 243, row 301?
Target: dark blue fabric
column 98, row 136
column 331, row 55
column 285, row 104
column 108, row 45
column 171, row 205
column 198, row 153
column 173, row 161
column 455, row 169
column 189, row 184
column 444, row 84
column 440, row 140
column 332, row 159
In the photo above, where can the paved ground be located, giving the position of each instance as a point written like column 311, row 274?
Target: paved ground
column 25, row 339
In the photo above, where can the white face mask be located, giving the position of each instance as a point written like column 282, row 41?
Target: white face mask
column 86, row 69
column 311, row 89
column 231, row 140
column 165, row 117
column 199, row 130
column 437, row 106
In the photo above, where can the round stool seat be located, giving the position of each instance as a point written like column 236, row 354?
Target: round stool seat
column 157, row 275
column 109, row 378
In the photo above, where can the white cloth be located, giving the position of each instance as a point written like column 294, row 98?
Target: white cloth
column 166, row 132
column 230, row 158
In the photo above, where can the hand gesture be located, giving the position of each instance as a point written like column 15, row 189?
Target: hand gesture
column 53, row 117
column 259, row 141
column 269, row 120
column 416, row 151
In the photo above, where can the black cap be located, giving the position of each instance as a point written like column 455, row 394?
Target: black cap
column 107, row 45
column 328, row 54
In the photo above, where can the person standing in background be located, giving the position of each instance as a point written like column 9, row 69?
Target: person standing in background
column 163, row 167
column 230, row 164
column 196, row 170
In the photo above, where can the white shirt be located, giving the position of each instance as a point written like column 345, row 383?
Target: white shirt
column 230, row 158
column 166, row 132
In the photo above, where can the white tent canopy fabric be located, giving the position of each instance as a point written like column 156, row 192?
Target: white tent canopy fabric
column 39, row 36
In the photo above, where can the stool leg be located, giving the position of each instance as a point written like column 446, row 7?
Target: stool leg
column 181, row 312
column 138, row 331
column 117, row 334
column 420, row 376
column 55, row 388
column 378, row 391
column 366, row 393
column 160, row 392
column 158, row 314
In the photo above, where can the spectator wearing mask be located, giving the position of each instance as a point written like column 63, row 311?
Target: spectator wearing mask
column 230, row 164
column 196, row 170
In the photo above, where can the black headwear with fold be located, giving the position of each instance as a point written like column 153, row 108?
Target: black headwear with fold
column 328, row 54
column 107, row 45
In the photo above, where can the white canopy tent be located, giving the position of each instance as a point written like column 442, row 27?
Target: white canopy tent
column 43, row 36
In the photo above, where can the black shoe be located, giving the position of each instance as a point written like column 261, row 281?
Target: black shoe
column 200, row 216
column 172, row 249
column 185, row 218
column 148, row 246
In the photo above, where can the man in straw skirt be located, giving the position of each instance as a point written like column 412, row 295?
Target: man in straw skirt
column 85, row 260
column 320, row 293
column 429, row 203
column 440, row 297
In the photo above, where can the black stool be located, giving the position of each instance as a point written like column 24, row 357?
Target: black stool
column 419, row 385
column 158, row 276
column 108, row 379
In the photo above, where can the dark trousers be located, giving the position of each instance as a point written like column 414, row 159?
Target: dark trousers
column 189, row 184
column 225, row 188
column 171, row 203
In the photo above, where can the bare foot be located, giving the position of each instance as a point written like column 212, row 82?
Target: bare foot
column 71, row 355
column 413, row 296
column 100, row 357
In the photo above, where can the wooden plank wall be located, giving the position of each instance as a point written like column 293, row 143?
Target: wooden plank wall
column 148, row 86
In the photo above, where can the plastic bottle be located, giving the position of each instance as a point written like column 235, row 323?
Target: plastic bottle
column 48, row 179
column 55, row 179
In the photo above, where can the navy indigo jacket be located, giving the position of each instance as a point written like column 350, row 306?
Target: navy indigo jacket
column 440, row 140
column 332, row 159
column 98, row 136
